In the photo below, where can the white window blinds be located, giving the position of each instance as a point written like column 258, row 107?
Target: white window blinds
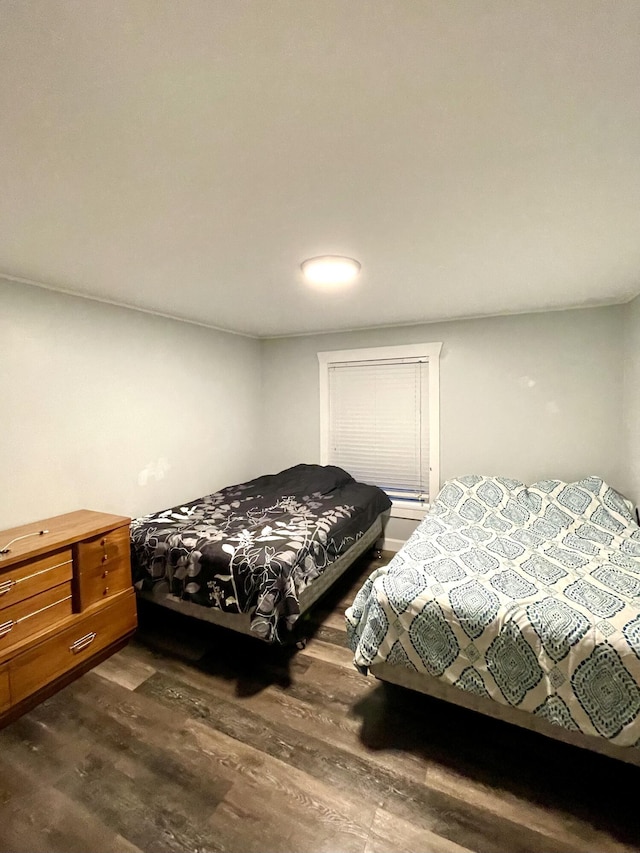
column 379, row 424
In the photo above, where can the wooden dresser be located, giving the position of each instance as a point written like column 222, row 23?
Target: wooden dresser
column 66, row 603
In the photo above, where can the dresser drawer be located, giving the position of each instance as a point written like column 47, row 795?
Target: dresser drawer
column 104, row 550
column 5, row 695
column 104, row 566
column 91, row 634
column 35, row 576
column 28, row 618
column 101, row 582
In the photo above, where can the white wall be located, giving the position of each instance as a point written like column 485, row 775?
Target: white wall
column 631, row 409
column 115, row 410
column 527, row 396
column 122, row 411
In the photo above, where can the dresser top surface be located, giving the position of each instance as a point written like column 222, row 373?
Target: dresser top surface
column 62, row 530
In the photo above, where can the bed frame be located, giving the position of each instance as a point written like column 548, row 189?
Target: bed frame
column 310, row 594
column 424, row 683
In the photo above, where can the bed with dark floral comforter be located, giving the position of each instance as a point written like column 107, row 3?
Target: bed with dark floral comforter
column 254, row 547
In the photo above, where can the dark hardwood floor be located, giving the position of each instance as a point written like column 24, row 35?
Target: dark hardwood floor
column 196, row 738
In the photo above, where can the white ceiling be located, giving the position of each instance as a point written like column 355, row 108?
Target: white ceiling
column 477, row 156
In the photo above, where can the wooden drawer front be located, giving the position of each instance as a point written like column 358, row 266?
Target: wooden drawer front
column 5, row 695
column 102, row 581
column 27, row 618
column 33, row 669
column 33, row 577
column 105, row 550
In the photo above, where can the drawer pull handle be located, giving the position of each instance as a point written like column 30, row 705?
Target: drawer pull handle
column 82, row 643
column 6, row 627
column 6, row 586
column 103, row 542
column 105, row 558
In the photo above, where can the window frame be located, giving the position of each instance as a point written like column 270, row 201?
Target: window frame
column 428, row 351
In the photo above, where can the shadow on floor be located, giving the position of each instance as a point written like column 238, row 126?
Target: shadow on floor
column 502, row 756
column 251, row 663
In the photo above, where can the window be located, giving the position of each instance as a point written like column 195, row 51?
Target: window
column 379, row 420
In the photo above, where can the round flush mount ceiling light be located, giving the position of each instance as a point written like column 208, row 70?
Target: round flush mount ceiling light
column 330, row 269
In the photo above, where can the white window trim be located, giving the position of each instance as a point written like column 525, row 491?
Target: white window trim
column 430, row 352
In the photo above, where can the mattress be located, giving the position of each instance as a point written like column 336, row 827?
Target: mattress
column 253, row 548
column 525, row 595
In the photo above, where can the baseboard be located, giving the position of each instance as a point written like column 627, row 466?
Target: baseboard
column 392, row 544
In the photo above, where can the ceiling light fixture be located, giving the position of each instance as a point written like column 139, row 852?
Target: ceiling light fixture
column 330, row 269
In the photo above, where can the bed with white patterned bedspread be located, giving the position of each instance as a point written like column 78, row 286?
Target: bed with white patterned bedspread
column 528, row 595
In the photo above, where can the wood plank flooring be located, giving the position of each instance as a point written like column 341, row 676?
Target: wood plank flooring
column 194, row 738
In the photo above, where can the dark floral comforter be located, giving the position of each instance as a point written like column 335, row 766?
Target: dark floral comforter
column 255, row 546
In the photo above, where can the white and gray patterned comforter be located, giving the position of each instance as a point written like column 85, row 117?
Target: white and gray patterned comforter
column 529, row 595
